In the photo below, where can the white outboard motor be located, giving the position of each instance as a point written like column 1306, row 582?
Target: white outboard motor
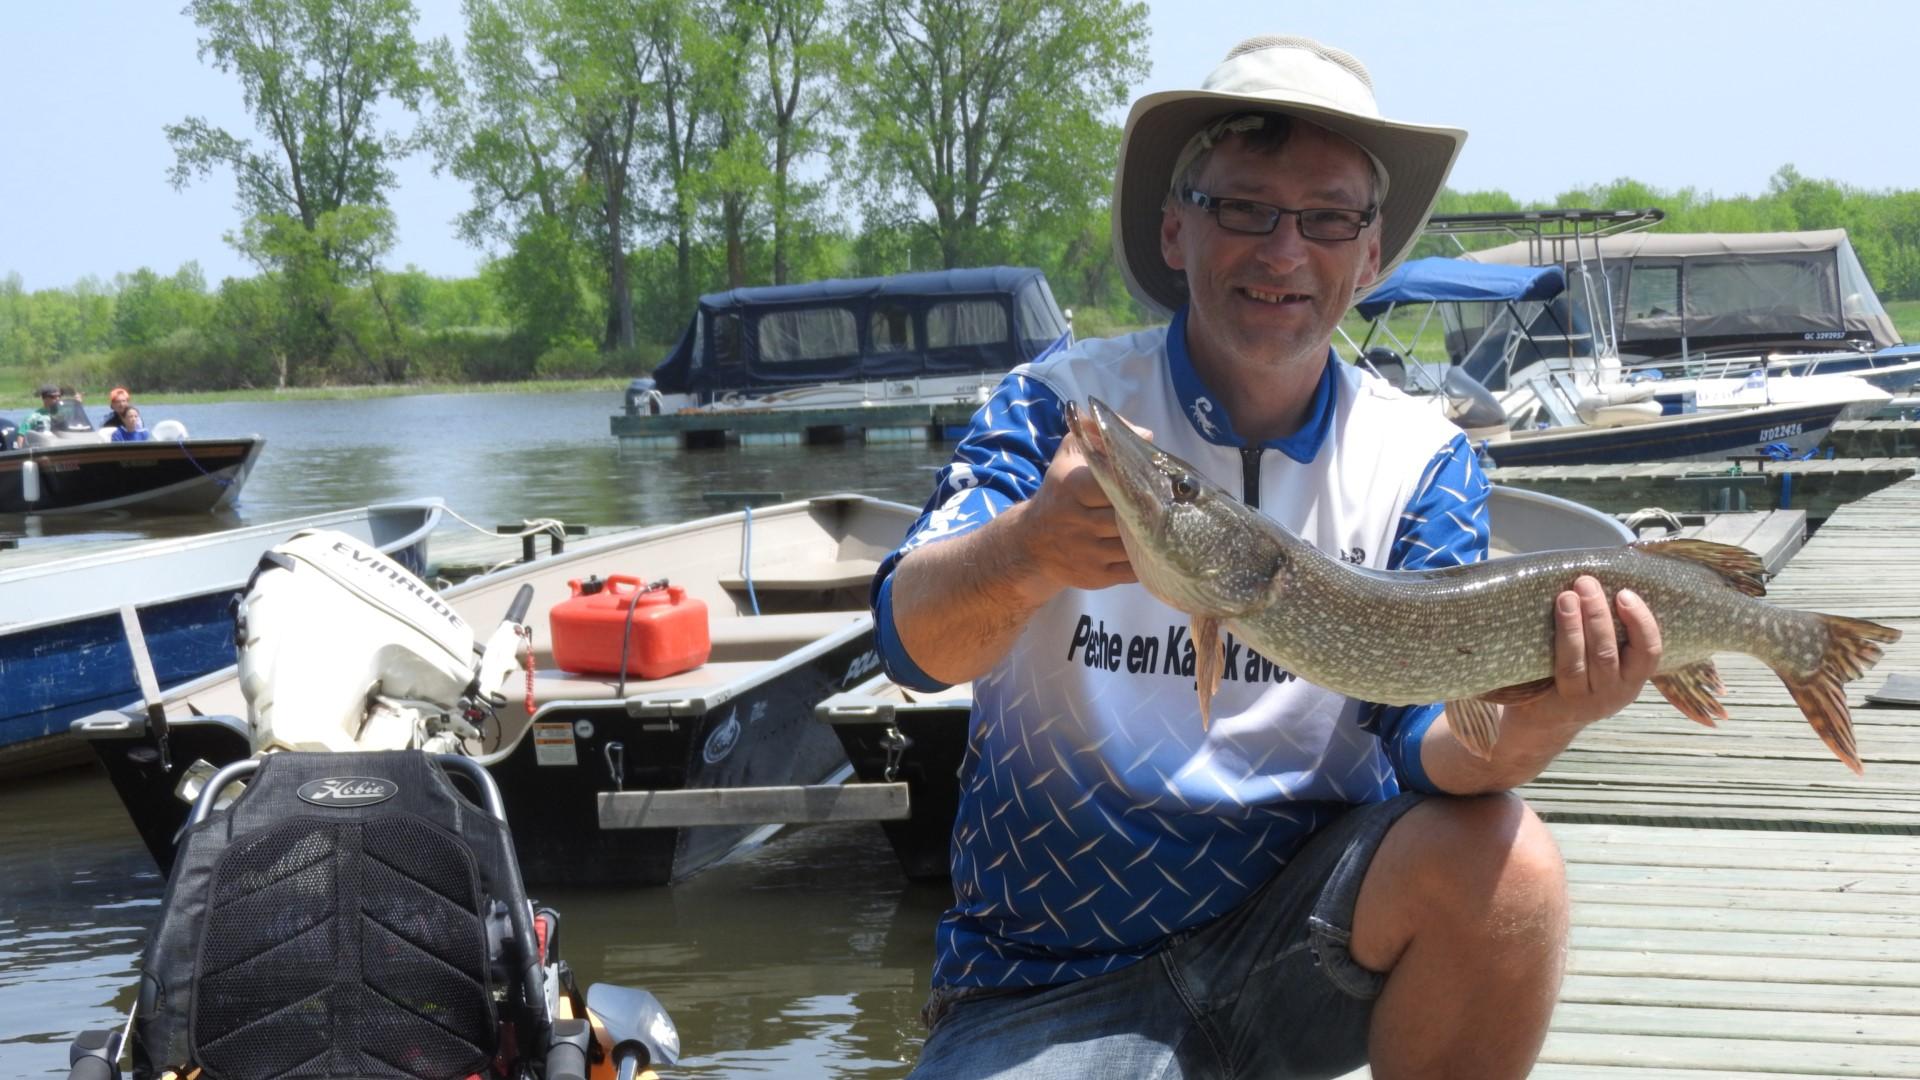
column 341, row 648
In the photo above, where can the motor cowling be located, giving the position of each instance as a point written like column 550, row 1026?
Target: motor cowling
column 331, row 626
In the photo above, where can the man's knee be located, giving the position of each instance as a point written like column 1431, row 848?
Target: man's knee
column 1483, row 868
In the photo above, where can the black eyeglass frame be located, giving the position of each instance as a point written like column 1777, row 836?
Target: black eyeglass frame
column 1212, row 204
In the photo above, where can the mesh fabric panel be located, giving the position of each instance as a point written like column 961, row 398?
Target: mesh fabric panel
column 344, row 948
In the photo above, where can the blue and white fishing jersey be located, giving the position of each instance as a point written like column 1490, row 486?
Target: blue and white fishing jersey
column 1096, row 817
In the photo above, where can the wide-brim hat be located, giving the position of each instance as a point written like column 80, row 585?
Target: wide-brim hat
column 1291, row 75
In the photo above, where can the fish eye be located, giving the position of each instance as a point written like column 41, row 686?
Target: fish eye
column 1185, row 488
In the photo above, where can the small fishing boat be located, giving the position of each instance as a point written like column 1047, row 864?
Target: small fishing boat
column 67, row 651
column 612, row 780
column 74, row 469
column 894, row 735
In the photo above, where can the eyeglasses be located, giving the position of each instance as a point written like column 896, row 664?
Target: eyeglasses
column 1259, row 219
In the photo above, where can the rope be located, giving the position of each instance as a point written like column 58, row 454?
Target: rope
column 530, row 527
column 746, row 558
column 223, row 481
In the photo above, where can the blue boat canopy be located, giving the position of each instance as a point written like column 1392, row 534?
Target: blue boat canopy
column 932, row 323
column 1440, row 280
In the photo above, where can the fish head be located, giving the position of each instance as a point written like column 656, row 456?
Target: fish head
column 1193, row 546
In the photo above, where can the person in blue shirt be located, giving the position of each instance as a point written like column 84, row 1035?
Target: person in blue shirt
column 128, row 427
column 1313, row 883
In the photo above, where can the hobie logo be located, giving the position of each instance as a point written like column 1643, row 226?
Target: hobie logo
column 348, row 791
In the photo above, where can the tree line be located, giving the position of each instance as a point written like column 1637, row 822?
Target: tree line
column 625, row 156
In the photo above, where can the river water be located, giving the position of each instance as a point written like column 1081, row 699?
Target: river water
column 806, row 957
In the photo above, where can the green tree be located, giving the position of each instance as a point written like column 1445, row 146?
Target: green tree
column 981, row 110
column 564, row 93
column 313, row 74
column 147, row 307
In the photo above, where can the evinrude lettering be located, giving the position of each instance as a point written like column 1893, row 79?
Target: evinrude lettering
column 401, row 578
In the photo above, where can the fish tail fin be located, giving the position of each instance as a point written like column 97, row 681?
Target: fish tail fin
column 1695, row 690
column 1852, row 646
column 1740, row 568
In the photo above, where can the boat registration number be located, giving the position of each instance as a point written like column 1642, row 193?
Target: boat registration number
column 553, row 745
column 1781, row 432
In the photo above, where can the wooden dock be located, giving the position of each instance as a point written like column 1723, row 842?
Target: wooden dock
column 1774, row 535
column 1817, row 486
column 1744, row 906
column 792, row 427
column 1875, row 438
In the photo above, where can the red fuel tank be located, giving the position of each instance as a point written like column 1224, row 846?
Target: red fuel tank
column 668, row 635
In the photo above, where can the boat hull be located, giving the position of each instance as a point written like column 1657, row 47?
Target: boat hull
column 187, row 476
column 765, row 736
column 1703, row 436
column 59, row 669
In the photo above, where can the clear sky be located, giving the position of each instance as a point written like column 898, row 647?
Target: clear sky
column 1712, row 94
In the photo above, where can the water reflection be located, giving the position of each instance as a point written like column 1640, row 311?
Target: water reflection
column 77, row 901
column 807, row 957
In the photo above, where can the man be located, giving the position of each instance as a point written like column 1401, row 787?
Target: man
column 1313, row 883
column 48, row 414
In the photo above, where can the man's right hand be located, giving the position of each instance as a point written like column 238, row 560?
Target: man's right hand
column 960, row 604
column 1068, row 531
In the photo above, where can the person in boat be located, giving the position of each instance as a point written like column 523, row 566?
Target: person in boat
column 1314, row 883
column 50, row 414
column 128, row 427
column 119, row 403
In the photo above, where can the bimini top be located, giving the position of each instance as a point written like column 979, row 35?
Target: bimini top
column 934, row 323
column 1441, row 280
column 1676, row 292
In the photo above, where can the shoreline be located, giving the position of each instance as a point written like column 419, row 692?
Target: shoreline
column 355, row 393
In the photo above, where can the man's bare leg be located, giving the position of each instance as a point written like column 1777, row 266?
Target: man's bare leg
column 1465, row 908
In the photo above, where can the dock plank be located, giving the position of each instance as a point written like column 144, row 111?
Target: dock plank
column 1741, row 902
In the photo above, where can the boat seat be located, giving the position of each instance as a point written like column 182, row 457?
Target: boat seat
column 552, row 684
column 742, row 637
column 742, row 646
column 820, row 576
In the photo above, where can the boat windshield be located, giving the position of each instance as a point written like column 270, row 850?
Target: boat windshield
column 73, row 418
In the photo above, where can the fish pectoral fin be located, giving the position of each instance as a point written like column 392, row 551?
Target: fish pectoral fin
column 1520, row 693
column 1695, row 690
column 1209, row 660
column 1475, row 722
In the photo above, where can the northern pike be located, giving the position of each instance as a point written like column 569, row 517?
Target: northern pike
column 1474, row 637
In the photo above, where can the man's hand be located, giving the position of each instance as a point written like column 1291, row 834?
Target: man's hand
column 1594, row 676
column 1068, row 532
column 960, row 604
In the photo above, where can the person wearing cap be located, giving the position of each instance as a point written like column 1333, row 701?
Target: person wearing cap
column 48, row 414
column 1312, row 883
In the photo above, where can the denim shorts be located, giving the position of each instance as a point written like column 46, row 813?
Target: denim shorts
column 1268, row 990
